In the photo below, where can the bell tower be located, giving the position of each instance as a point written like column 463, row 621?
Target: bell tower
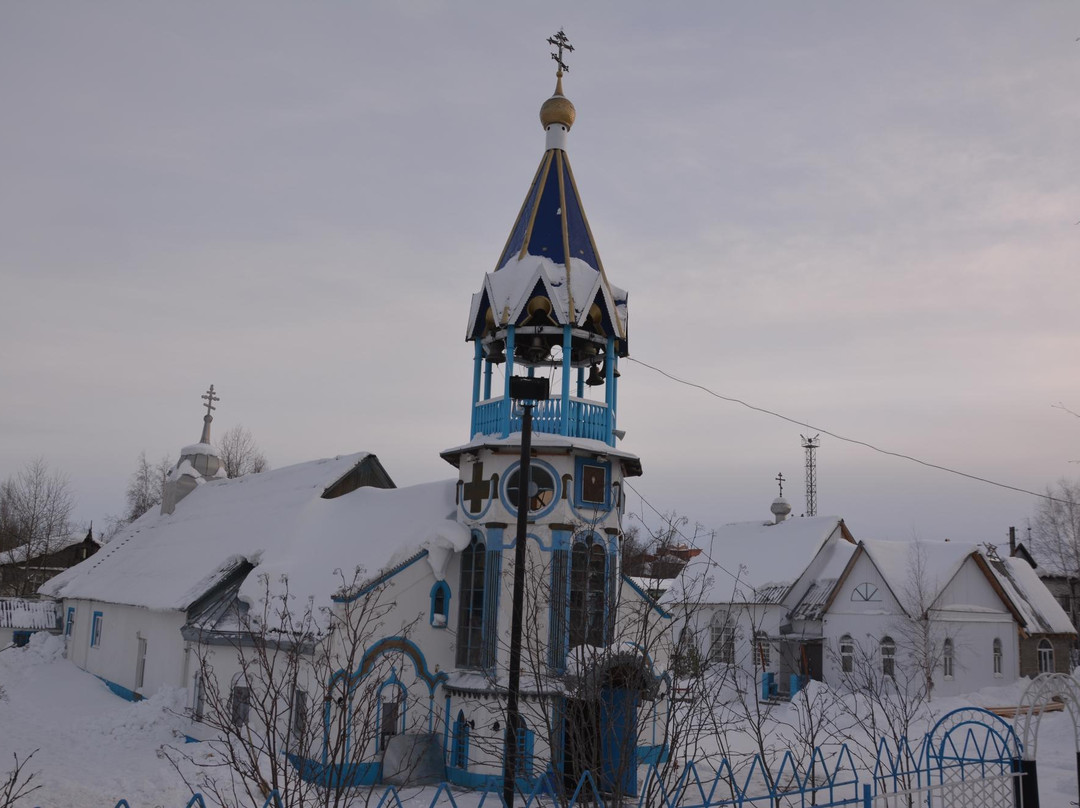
column 546, row 311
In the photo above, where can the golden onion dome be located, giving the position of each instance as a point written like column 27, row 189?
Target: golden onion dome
column 558, row 108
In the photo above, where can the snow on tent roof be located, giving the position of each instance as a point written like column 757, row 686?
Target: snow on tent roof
column 279, row 522
column 746, row 558
column 897, row 561
column 1041, row 612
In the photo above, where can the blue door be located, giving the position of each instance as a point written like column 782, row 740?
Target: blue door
column 618, row 741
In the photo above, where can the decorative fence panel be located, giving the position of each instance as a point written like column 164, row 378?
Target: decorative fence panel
column 968, row 760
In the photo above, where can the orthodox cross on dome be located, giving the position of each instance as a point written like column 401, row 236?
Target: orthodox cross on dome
column 209, row 397
column 780, row 479
column 560, row 41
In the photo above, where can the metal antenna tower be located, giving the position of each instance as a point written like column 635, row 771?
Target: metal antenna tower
column 810, row 445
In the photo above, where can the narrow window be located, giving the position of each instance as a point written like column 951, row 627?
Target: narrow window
column 947, row 659
column 298, row 719
column 389, row 720
column 140, row 663
column 588, row 593
column 888, row 656
column 997, row 657
column 847, row 654
column 470, row 633
column 239, row 705
column 69, row 623
column 722, row 630
column 95, row 629
column 459, row 755
column 1046, row 656
column 199, row 705
column 762, row 650
column 440, row 604
column 525, row 743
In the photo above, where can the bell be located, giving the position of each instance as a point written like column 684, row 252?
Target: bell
column 538, row 350
column 495, row 352
column 596, row 378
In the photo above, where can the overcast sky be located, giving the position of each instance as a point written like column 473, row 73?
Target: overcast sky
column 860, row 215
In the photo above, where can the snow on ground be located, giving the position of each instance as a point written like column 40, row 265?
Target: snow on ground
column 95, row 748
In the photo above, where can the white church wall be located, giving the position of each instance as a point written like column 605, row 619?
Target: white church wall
column 113, row 651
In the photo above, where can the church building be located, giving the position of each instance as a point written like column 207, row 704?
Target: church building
column 416, row 645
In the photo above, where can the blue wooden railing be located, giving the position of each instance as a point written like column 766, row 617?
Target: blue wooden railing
column 586, row 419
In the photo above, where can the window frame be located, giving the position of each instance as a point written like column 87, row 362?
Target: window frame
column 97, row 625
column 847, row 654
column 240, row 704
column 1045, row 656
column 887, row 649
column 998, row 657
column 588, row 592
column 473, row 609
column 722, row 638
column 948, row 659
column 440, row 613
column 69, row 622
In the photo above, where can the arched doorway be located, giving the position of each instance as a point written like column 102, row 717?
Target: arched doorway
column 601, row 726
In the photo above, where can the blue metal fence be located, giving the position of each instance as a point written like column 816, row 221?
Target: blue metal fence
column 966, row 746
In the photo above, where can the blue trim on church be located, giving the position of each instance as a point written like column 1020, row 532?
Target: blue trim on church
column 386, row 576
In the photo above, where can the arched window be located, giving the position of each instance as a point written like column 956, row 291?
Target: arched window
column 588, row 593
column 997, row 657
column 459, row 751
column 239, row 702
column 888, row 656
column 722, row 633
column 847, row 654
column 762, row 650
column 440, row 604
column 1046, row 656
column 947, row 661
column 391, row 710
column 470, row 629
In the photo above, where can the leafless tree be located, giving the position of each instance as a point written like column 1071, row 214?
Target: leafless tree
column 18, row 782
column 146, row 485
column 240, row 454
column 35, row 511
column 280, row 693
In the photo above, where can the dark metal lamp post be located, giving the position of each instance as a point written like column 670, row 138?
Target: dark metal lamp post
column 527, row 391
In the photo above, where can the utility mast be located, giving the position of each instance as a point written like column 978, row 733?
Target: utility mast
column 810, row 445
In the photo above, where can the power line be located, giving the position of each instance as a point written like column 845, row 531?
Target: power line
column 855, row 441
column 671, row 524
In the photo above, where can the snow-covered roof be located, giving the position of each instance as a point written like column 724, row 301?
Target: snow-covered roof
column 750, row 562
column 32, row 615
column 828, row 570
column 277, row 521
column 18, row 554
column 899, row 561
column 1041, row 612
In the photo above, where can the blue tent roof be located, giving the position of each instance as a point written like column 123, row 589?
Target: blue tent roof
column 552, row 221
